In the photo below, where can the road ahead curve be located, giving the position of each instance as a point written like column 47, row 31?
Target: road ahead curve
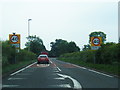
column 58, row 74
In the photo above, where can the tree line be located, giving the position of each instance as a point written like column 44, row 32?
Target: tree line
column 57, row 48
column 35, row 46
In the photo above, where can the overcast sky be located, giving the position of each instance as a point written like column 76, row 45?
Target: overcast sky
column 71, row 20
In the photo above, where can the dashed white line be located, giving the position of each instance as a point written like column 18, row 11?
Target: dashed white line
column 51, row 62
column 23, row 74
column 10, row 86
column 64, row 85
column 60, row 78
column 61, row 85
column 58, row 69
column 55, row 71
column 16, row 78
column 23, row 69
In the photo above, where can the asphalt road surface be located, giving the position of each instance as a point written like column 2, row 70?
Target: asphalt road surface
column 58, row 74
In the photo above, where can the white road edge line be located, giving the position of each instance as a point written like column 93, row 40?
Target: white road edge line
column 92, row 70
column 22, row 69
column 77, row 85
column 100, row 73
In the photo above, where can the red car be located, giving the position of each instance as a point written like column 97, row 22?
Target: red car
column 43, row 59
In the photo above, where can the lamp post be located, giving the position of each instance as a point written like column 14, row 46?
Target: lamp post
column 29, row 32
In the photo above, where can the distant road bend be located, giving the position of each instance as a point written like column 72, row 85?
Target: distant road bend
column 58, row 74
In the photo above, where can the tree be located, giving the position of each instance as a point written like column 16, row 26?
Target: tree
column 62, row 46
column 35, row 44
column 98, row 34
column 87, row 47
column 72, row 47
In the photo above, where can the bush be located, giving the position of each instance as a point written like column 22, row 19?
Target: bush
column 109, row 53
column 9, row 55
column 24, row 55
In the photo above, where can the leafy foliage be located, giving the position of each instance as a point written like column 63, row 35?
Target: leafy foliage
column 62, row 46
column 35, row 45
column 109, row 53
column 107, row 58
column 9, row 55
column 86, row 47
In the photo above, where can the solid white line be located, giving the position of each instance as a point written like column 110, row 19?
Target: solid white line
column 92, row 70
column 23, row 69
column 79, row 66
column 75, row 82
column 100, row 73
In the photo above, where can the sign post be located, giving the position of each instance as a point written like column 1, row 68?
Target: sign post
column 95, row 45
column 15, row 41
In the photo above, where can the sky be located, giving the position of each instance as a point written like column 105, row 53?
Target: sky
column 71, row 20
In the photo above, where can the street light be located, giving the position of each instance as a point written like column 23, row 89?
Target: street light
column 29, row 32
column 29, row 27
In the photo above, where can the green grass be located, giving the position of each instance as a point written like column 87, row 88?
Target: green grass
column 112, row 69
column 12, row 67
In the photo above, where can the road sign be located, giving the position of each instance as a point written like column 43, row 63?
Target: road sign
column 14, row 38
column 96, row 41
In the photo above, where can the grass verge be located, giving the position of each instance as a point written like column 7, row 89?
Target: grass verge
column 13, row 67
column 111, row 69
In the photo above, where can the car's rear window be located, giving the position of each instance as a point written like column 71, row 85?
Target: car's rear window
column 43, row 56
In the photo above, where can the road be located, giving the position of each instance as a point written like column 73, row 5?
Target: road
column 58, row 74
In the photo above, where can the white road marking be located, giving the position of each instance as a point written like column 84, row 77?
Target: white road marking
column 23, row 69
column 23, row 74
column 62, row 85
column 59, row 78
column 58, row 69
column 16, row 78
column 75, row 82
column 51, row 62
column 10, row 86
column 79, row 66
column 55, row 71
column 100, row 73
column 43, row 65
column 92, row 70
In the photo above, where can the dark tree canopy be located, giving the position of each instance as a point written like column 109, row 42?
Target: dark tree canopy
column 35, row 44
column 62, row 46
